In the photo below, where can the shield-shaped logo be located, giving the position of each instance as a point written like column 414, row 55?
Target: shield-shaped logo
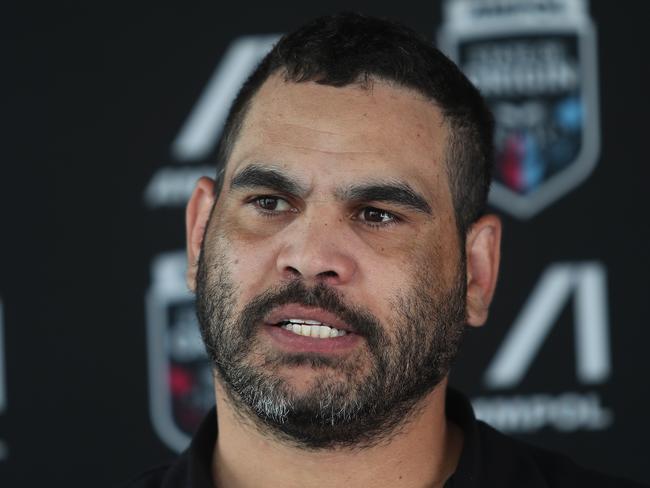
column 535, row 63
column 180, row 377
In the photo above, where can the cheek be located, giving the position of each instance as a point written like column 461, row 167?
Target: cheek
column 250, row 257
column 440, row 264
column 250, row 261
column 432, row 257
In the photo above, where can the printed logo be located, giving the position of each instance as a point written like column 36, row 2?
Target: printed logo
column 585, row 284
column 535, row 63
column 202, row 129
column 180, row 378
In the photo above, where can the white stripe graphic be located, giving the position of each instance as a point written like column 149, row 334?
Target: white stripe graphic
column 203, row 126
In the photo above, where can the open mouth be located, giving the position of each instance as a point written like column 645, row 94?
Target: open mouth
column 310, row 328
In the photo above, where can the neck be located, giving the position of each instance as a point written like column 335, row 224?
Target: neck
column 424, row 453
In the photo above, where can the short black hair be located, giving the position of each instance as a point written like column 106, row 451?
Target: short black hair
column 350, row 48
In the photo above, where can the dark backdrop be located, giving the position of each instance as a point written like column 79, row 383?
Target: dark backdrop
column 100, row 373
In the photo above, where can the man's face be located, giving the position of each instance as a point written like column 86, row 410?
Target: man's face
column 331, row 285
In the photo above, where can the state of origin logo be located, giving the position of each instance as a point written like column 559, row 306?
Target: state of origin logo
column 534, row 61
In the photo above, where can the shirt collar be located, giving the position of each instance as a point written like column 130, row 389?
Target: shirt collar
column 199, row 474
column 459, row 410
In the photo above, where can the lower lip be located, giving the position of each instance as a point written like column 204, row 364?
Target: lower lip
column 298, row 343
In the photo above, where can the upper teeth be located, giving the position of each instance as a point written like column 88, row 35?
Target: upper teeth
column 311, row 328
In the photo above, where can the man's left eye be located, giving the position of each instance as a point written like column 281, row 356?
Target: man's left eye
column 376, row 216
column 272, row 204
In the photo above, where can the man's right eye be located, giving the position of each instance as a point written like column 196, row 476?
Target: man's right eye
column 272, row 204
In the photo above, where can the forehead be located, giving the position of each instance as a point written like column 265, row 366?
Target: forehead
column 351, row 131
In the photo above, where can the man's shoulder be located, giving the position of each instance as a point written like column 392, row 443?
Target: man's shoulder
column 507, row 461
column 151, row 478
column 171, row 475
column 190, row 469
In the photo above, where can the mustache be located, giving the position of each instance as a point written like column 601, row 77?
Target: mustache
column 322, row 296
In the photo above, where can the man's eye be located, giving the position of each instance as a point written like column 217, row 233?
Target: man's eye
column 376, row 216
column 272, row 204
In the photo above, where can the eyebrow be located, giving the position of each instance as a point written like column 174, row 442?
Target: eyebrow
column 395, row 192
column 398, row 193
column 256, row 176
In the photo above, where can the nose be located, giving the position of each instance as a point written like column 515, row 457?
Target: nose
column 319, row 252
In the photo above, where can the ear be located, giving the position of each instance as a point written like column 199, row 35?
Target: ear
column 197, row 215
column 483, row 252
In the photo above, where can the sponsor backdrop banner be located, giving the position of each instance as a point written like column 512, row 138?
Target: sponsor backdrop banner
column 102, row 369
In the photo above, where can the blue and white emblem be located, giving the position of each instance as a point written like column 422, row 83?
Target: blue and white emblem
column 535, row 63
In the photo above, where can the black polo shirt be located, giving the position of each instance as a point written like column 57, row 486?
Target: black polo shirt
column 489, row 459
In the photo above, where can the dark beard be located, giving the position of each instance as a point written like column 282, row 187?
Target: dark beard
column 408, row 359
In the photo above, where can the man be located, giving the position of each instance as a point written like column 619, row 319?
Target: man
column 336, row 261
